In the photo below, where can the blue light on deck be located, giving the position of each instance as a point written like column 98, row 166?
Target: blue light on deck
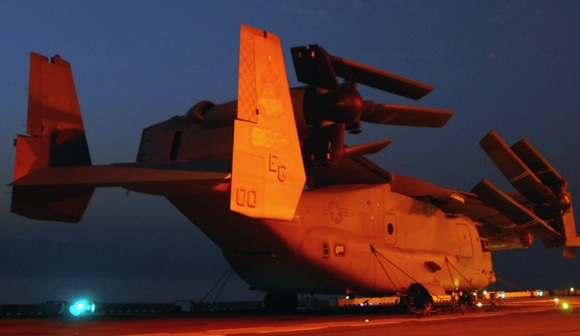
column 82, row 307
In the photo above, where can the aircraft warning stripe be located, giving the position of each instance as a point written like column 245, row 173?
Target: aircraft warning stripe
column 247, row 74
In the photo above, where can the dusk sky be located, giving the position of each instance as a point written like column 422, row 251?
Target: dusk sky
column 511, row 66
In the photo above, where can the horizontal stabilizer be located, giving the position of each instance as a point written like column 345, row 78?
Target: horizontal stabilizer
column 51, row 203
column 62, row 193
column 113, row 176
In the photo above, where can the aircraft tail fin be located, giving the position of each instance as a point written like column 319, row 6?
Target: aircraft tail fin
column 567, row 226
column 267, row 170
column 56, row 139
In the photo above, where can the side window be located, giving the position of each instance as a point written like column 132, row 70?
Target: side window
column 390, row 229
column 325, row 249
column 484, row 245
column 483, row 238
column 173, row 154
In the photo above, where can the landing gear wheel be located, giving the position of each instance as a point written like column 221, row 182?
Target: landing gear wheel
column 418, row 299
column 428, row 306
column 281, row 302
column 472, row 300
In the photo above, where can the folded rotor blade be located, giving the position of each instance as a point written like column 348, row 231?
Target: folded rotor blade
column 515, row 170
column 379, row 79
column 401, row 115
column 541, row 168
column 364, row 149
column 514, row 211
column 313, row 67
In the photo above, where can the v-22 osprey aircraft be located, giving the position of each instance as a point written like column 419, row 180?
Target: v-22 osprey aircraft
column 270, row 180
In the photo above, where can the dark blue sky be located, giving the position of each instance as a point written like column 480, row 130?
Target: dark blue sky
column 512, row 66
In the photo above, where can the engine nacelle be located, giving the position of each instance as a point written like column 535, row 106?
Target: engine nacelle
column 343, row 105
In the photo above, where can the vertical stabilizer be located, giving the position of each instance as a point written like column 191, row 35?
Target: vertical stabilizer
column 267, row 174
column 56, row 139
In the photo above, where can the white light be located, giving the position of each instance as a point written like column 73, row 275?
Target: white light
column 458, row 198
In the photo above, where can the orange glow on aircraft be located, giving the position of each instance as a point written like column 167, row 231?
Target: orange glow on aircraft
column 294, row 210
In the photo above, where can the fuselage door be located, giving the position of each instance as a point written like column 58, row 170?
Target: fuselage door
column 465, row 245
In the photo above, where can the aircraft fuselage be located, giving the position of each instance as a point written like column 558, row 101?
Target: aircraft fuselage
column 362, row 238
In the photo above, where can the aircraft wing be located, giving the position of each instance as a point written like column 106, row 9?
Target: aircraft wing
column 350, row 170
column 541, row 207
column 502, row 232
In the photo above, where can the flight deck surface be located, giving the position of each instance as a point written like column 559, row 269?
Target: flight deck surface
column 533, row 316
